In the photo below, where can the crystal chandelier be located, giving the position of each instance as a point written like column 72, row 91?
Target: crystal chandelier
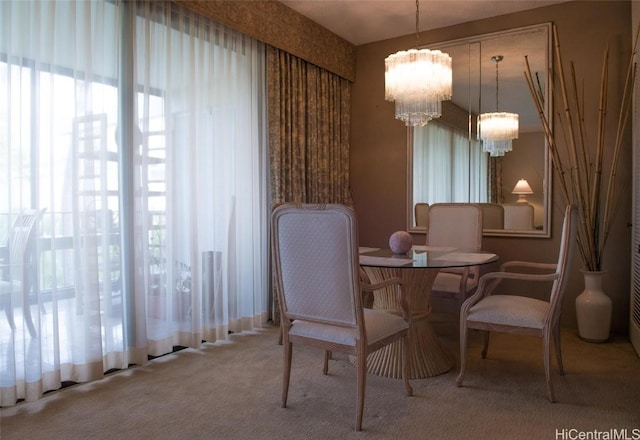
column 418, row 80
column 497, row 130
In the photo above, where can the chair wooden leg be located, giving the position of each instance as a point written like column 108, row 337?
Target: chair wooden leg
column 362, row 379
column 9, row 312
column 287, row 371
column 547, row 364
column 405, row 365
column 461, row 299
column 463, row 350
column 485, row 348
column 558, row 347
column 29, row 320
column 327, row 357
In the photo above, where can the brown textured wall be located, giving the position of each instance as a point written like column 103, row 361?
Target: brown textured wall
column 379, row 142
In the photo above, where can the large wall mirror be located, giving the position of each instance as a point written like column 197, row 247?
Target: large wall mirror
column 446, row 162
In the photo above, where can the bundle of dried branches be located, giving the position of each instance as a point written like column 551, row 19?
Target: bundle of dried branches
column 580, row 174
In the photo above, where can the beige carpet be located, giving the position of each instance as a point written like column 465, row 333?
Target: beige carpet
column 232, row 391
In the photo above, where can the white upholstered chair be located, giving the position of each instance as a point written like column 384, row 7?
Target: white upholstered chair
column 521, row 313
column 315, row 257
column 19, row 275
column 456, row 225
column 518, row 216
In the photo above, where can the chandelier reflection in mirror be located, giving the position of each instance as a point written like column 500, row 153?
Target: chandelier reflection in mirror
column 497, row 130
column 418, row 80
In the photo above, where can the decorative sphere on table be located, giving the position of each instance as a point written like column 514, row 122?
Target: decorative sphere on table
column 400, row 242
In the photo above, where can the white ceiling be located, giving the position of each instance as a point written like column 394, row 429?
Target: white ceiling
column 365, row 21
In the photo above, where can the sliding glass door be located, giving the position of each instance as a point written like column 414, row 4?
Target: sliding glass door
column 136, row 131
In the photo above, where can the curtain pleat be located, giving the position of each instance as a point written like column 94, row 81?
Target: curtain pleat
column 309, row 123
column 447, row 167
column 495, row 180
column 308, row 131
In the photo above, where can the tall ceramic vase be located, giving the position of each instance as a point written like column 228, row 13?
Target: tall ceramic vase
column 593, row 309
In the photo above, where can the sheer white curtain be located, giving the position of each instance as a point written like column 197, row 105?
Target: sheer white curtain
column 448, row 167
column 209, row 118
column 138, row 128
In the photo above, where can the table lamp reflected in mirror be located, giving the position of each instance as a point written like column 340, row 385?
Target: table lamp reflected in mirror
column 522, row 189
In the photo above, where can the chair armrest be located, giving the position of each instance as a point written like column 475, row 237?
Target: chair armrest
column 527, row 264
column 367, row 288
column 517, row 276
column 490, row 280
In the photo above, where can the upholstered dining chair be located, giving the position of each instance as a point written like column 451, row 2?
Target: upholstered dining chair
column 315, row 260
column 457, row 225
column 18, row 276
column 522, row 313
column 518, row 216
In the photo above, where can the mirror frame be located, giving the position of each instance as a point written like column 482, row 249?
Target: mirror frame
column 545, row 232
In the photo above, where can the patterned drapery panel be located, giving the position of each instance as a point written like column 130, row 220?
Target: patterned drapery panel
column 496, row 194
column 309, row 124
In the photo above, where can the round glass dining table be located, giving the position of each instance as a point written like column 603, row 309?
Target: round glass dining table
column 417, row 271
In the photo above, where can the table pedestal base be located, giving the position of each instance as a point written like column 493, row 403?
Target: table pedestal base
column 427, row 357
